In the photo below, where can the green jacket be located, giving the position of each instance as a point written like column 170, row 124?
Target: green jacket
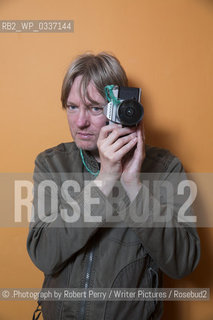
column 128, row 253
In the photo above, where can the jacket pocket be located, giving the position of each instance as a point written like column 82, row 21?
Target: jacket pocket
column 53, row 309
column 134, row 275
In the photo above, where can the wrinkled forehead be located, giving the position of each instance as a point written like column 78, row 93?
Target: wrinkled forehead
column 86, row 91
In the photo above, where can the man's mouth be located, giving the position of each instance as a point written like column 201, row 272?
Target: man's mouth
column 84, row 135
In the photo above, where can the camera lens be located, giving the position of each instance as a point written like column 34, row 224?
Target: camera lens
column 130, row 112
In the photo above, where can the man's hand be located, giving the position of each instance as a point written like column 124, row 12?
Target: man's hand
column 132, row 163
column 114, row 143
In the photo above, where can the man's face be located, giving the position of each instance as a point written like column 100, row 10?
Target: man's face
column 85, row 121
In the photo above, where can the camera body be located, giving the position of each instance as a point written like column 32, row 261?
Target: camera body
column 124, row 105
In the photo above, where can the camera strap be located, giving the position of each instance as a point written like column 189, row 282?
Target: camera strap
column 109, row 94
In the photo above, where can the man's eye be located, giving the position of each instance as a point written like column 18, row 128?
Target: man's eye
column 97, row 110
column 71, row 108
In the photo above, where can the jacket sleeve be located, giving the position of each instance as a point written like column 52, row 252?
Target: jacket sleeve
column 52, row 239
column 172, row 243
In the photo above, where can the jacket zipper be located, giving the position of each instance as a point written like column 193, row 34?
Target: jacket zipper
column 86, row 284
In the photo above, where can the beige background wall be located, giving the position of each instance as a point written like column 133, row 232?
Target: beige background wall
column 166, row 48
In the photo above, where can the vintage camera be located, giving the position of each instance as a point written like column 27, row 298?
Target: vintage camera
column 124, row 105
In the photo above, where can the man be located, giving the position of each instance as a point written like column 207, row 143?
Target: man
column 103, row 231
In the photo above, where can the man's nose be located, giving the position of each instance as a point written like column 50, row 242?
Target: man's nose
column 83, row 119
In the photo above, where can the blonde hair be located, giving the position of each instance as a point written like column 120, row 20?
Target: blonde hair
column 103, row 69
